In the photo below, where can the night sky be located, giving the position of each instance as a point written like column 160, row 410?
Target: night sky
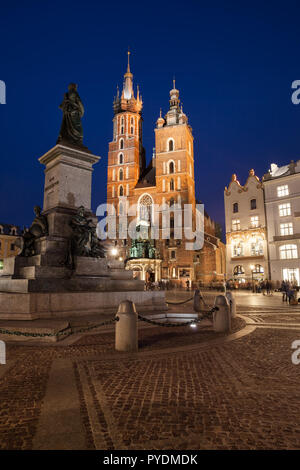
column 234, row 63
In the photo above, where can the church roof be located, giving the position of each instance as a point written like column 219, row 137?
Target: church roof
column 147, row 178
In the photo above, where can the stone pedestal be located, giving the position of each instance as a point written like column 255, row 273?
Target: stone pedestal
column 44, row 285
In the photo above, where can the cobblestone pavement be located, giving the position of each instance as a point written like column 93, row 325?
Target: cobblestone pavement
column 184, row 389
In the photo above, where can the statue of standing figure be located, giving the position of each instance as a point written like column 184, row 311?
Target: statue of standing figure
column 73, row 110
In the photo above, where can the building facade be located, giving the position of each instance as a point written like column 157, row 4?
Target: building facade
column 8, row 236
column 282, row 203
column 246, row 231
column 167, row 181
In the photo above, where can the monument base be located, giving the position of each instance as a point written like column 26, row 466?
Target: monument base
column 33, row 306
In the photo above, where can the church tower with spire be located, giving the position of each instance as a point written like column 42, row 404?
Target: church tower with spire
column 126, row 156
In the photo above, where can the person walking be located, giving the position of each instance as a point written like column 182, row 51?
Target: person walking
column 284, row 289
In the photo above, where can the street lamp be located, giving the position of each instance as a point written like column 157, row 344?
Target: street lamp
column 252, row 270
column 114, row 252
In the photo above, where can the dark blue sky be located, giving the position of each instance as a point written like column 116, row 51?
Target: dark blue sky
column 234, row 63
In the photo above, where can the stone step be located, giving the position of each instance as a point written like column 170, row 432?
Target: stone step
column 120, row 274
column 79, row 284
column 44, row 272
column 41, row 328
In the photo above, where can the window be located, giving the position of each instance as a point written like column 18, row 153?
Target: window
column 131, row 126
column 122, row 125
column 173, row 254
column 238, row 249
column 171, row 167
column 254, row 221
column 289, row 274
column 12, row 247
column 238, row 270
column 284, row 209
column 121, row 174
column 145, row 208
column 258, row 269
column 172, row 185
column 288, row 252
column 286, row 229
column 256, row 246
column 171, row 145
column 121, row 159
column 282, row 190
column 236, row 225
column 121, row 191
column 253, row 204
column 235, row 207
column 121, row 143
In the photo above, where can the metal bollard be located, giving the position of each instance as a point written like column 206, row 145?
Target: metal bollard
column 199, row 305
column 232, row 303
column 222, row 317
column 126, row 328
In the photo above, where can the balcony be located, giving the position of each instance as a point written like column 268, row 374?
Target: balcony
column 247, row 257
column 282, row 238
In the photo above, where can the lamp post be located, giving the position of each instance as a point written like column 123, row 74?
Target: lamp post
column 114, row 252
column 252, row 270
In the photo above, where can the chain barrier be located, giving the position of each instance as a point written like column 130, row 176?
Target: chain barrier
column 180, row 303
column 59, row 333
column 206, row 315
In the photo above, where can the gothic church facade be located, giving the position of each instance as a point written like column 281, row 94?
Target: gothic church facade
column 168, row 181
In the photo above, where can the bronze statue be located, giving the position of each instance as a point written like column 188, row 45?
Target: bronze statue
column 38, row 228
column 84, row 240
column 73, row 110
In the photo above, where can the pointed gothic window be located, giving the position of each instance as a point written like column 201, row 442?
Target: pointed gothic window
column 121, row 144
column 121, row 191
column 172, row 185
column 171, row 167
column 121, row 159
column 145, row 208
column 121, row 174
